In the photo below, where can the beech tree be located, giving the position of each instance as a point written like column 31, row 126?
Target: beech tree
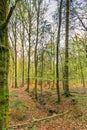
column 29, row 41
column 66, row 74
column 4, row 61
column 15, row 48
column 57, row 50
column 37, row 35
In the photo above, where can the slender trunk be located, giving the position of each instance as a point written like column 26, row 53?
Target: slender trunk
column 4, row 67
column 42, row 69
column 66, row 75
column 28, row 81
column 57, row 52
column 29, row 51
column 36, row 56
column 53, row 82
column 23, row 59
column 52, row 67
column 62, row 71
column 23, row 68
column 13, row 75
column 36, row 72
column 15, row 36
column 82, row 75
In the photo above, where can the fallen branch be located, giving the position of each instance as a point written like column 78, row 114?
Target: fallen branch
column 50, row 117
column 30, row 123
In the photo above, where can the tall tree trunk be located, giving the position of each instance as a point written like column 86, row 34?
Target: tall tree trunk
column 15, row 36
column 23, row 58
column 42, row 56
column 28, row 81
column 57, row 52
column 53, row 82
column 66, row 75
column 36, row 56
column 4, row 67
column 29, row 49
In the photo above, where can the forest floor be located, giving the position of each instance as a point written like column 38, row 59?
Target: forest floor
column 46, row 114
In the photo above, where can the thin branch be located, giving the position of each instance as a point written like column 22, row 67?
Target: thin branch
column 79, row 19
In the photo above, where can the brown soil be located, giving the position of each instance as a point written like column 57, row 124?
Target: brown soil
column 30, row 110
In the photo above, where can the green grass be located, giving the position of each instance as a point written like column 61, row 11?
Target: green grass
column 19, row 105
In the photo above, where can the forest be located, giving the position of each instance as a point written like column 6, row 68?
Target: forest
column 43, row 65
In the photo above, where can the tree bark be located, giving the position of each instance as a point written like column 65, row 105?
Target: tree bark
column 4, row 62
column 57, row 51
column 23, row 57
column 15, row 37
column 66, row 75
column 42, row 58
column 4, row 67
column 29, row 49
column 36, row 56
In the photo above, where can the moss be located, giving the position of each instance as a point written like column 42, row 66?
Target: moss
column 2, row 70
column 3, row 48
column 4, row 66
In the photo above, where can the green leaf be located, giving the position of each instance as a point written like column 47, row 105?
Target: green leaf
column 4, row 129
column 12, row 129
column 34, row 127
column 33, row 119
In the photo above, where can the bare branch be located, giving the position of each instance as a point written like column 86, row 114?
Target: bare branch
column 79, row 19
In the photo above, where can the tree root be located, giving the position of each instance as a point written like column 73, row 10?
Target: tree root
column 30, row 123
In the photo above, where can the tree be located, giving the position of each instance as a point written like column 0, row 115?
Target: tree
column 36, row 56
column 57, row 50
column 66, row 84
column 42, row 65
column 4, row 62
column 15, row 38
column 22, row 42
column 29, row 46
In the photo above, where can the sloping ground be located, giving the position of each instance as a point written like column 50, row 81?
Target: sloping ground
column 23, row 104
column 25, row 110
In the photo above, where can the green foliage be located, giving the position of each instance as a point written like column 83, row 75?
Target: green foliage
column 12, row 129
column 20, row 116
column 56, row 102
column 16, row 104
column 34, row 127
column 17, row 109
column 13, row 95
column 4, row 129
column 19, row 105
